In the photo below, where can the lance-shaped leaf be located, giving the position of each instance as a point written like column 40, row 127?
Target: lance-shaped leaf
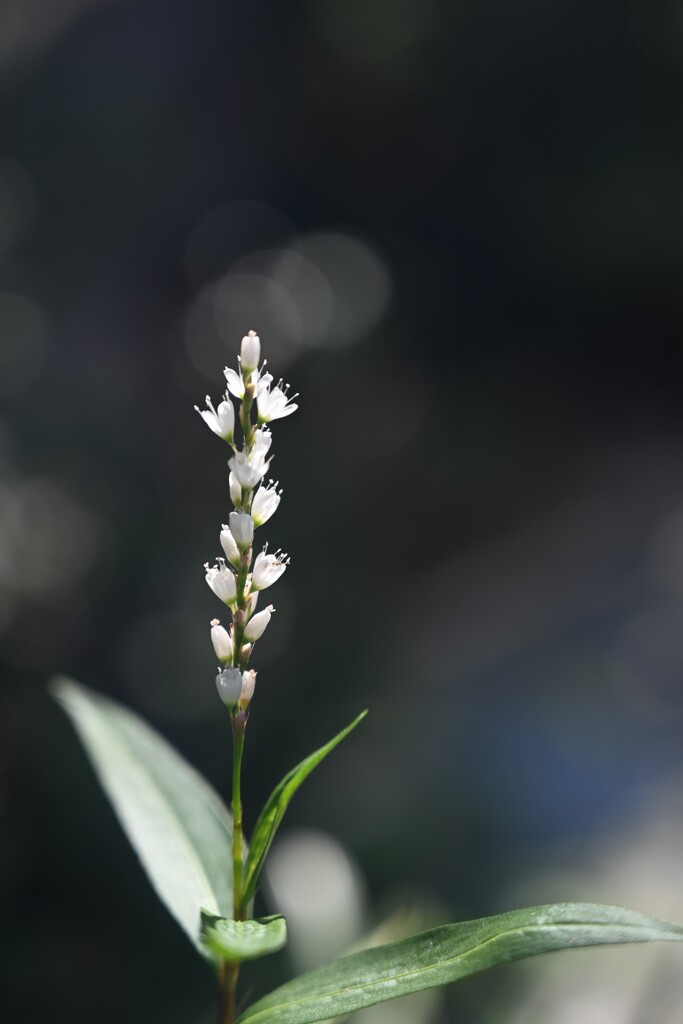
column 448, row 954
column 276, row 805
column 178, row 825
column 237, row 941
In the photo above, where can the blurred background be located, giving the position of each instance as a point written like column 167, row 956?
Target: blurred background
column 458, row 229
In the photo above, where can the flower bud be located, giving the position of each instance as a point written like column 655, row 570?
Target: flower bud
column 250, row 352
column 248, row 686
column 222, row 644
column 229, row 686
column 222, row 581
column 235, row 490
column 229, row 545
column 257, row 625
column 242, row 529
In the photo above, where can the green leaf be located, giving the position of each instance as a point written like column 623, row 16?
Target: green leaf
column 237, row 941
column 276, row 805
column 448, row 954
column 177, row 824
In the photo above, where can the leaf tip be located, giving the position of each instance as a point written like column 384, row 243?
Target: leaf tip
column 62, row 689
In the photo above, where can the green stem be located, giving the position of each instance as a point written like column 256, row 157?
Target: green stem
column 229, row 973
column 238, row 730
column 227, row 997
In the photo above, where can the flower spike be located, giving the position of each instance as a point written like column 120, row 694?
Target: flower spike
column 238, row 578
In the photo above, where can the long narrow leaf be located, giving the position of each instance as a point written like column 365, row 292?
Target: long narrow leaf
column 449, row 954
column 276, row 805
column 176, row 822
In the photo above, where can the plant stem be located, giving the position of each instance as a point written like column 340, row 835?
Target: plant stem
column 238, row 729
column 229, row 973
column 227, row 996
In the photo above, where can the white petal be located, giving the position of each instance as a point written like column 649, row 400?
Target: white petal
column 235, row 382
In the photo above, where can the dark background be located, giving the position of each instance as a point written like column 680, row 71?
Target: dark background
column 458, row 229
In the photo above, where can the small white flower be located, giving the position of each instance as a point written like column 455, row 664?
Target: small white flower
column 229, row 545
column 249, row 469
column 268, row 569
column 266, row 500
column 275, row 404
column 256, row 626
column 263, row 438
column 248, row 687
column 235, row 490
column 222, row 643
column 250, row 351
column 229, row 686
column 221, row 420
column 222, row 581
column 242, row 529
column 251, row 603
column 235, row 379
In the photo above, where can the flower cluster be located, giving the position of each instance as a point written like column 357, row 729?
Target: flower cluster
column 233, row 579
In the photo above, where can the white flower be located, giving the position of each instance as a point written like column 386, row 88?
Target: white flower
column 248, row 686
column 222, row 581
column 266, row 500
column 273, row 405
column 229, row 686
column 235, row 490
column 263, row 438
column 221, row 420
column 268, row 569
column 229, row 545
column 222, row 643
column 235, row 379
column 250, row 468
column 250, row 351
column 256, row 626
column 250, row 603
column 242, row 528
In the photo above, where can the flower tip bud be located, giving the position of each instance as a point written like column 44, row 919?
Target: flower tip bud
column 250, row 352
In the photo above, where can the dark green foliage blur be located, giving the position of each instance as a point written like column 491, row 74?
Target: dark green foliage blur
column 458, row 229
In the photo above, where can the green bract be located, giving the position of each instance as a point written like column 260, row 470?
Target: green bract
column 236, row 941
